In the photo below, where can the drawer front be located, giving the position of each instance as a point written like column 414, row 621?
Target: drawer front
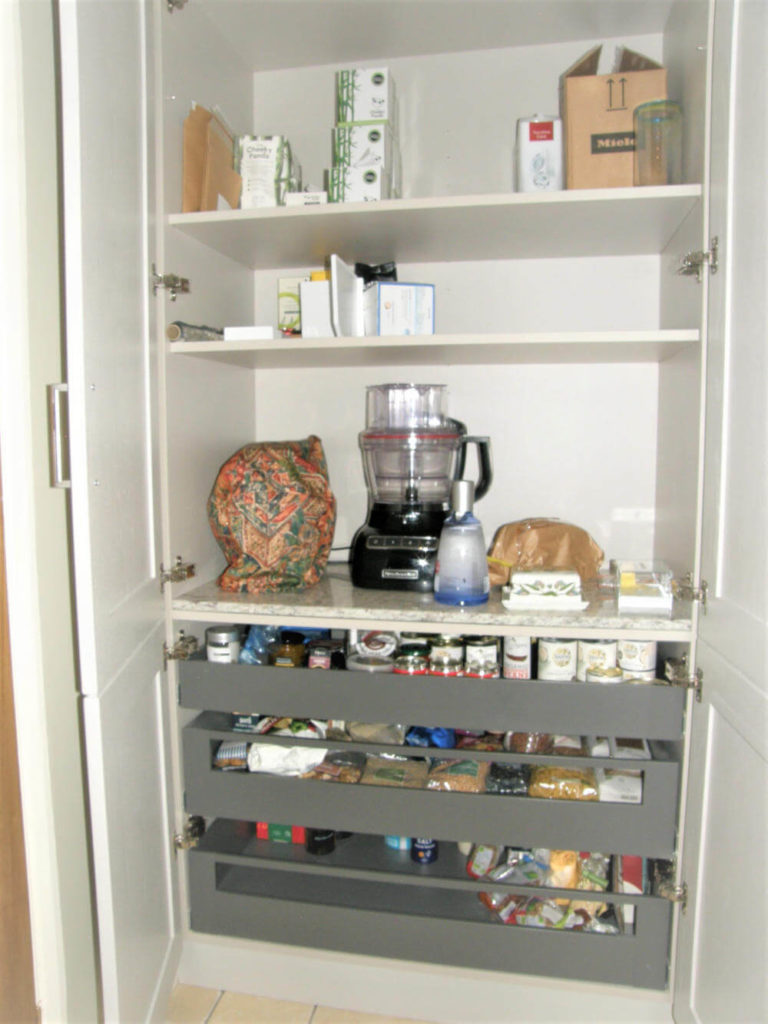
column 232, row 897
column 646, row 829
column 621, row 709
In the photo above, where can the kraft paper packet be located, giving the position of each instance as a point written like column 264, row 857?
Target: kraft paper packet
column 542, row 544
column 208, row 163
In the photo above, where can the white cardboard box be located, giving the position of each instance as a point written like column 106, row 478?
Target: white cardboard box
column 364, row 94
column 399, row 308
column 358, row 184
column 267, row 169
column 316, row 309
column 365, row 144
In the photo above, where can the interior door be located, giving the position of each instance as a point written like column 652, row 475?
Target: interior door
column 108, row 188
column 721, row 974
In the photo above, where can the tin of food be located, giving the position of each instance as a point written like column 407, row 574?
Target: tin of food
column 595, row 654
column 557, row 659
column 222, row 643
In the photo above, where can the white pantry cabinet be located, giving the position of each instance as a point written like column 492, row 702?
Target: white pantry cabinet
column 564, row 332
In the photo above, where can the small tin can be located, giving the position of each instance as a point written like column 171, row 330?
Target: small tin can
column 481, row 657
column 373, row 642
column 424, row 851
column 222, row 643
column 411, row 665
column 637, row 654
column 319, row 655
column 595, row 654
column 369, row 663
column 557, row 658
column 604, row 675
column 539, row 154
column 517, row 657
column 637, row 675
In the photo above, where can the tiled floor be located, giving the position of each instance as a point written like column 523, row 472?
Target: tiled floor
column 192, row 1005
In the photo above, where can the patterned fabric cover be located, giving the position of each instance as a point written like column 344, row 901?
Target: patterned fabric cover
column 273, row 514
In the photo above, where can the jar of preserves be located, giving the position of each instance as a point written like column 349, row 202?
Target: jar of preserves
column 287, row 652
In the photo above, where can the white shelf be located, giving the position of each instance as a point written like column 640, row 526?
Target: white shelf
column 447, row 349
column 588, row 222
column 335, row 603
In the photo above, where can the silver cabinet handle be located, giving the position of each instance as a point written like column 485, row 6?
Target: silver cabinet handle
column 57, row 434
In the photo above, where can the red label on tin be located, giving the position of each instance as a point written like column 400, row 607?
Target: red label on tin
column 541, row 131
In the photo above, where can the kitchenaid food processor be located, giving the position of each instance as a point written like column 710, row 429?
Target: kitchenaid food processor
column 412, row 452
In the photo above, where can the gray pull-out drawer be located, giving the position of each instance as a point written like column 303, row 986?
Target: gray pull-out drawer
column 280, row 894
column 646, row 829
column 650, row 711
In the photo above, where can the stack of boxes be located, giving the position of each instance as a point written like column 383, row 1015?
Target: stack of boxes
column 366, row 152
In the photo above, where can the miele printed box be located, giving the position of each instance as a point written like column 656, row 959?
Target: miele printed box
column 598, row 116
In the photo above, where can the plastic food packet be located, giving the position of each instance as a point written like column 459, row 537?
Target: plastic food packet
column 339, row 766
column 263, row 757
column 617, row 787
column 568, row 746
column 594, row 875
column 560, row 783
column 488, row 741
column 508, row 779
column 306, row 728
column 231, row 756
column 458, row 776
column 543, row 544
column 422, row 736
column 254, row 650
column 376, row 732
column 482, row 858
column 528, row 742
column 394, row 770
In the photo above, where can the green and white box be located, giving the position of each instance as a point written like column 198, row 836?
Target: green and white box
column 268, row 170
column 365, row 94
column 358, row 184
column 364, row 144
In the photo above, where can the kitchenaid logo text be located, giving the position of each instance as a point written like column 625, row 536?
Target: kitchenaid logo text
column 613, row 142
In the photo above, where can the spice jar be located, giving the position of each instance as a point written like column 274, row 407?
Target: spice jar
column 287, row 652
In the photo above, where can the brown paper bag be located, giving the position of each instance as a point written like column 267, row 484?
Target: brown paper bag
column 542, row 544
column 208, row 163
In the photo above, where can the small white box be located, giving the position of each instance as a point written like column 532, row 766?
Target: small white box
column 358, row 184
column 267, row 169
column 364, row 94
column 306, row 198
column 316, row 309
column 399, row 308
column 258, row 332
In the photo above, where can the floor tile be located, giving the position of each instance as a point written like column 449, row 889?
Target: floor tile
column 328, row 1015
column 240, row 1009
column 190, row 1004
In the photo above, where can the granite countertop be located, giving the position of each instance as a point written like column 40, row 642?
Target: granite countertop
column 335, row 601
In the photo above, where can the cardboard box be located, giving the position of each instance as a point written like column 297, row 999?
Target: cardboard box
column 268, row 170
column 364, row 94
column 289, row 304
column 316, row 309
column 597, row 113
column 399, row 308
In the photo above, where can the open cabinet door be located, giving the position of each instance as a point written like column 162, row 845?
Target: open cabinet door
column 111, row 356
column 720, row 974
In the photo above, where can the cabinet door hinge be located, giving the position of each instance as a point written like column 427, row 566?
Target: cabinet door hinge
column 675, row 893
column 686, row 590
column 194, row 828
column 678, row 672
column 172, row 282
column 693, row 263
column 174, row 5
column 184, row 648
column 179, row 571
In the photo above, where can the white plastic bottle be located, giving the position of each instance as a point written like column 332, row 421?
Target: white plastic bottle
column 461, row 573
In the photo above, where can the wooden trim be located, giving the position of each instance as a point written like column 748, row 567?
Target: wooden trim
column 17, row 985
